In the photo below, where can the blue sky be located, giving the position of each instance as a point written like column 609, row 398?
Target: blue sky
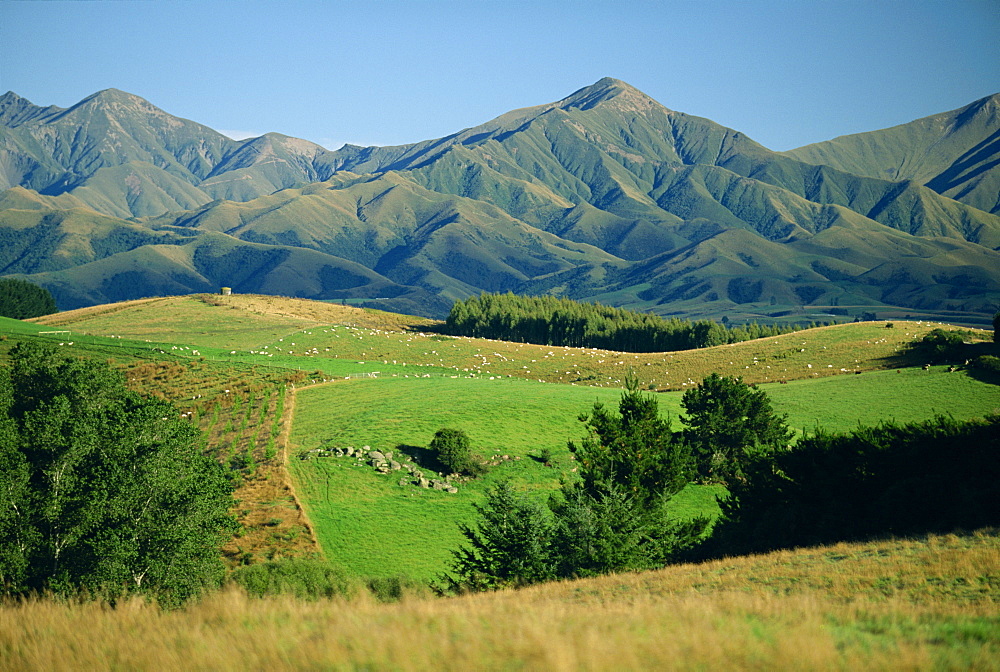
column 785, row 73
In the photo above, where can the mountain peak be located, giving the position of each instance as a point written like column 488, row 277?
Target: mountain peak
column 15, row 110
column 608, row 89
column 114, row 96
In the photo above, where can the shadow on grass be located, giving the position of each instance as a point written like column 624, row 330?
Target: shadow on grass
column 422, row 457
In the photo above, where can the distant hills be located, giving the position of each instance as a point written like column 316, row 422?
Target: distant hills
column 604, row 195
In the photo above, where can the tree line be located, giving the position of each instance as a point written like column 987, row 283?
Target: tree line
column 550, row 320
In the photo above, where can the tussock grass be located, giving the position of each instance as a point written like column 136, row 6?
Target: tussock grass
column 923, row 604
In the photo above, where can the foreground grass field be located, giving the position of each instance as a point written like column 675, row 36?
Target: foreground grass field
column 922, row 604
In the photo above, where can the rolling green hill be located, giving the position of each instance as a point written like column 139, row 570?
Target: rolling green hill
column 364, row 377
column 603, row 195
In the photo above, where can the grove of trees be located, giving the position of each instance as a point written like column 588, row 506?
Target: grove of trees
column 614, row 518
column 21, row 299
column 548, row 320
column 103, row 491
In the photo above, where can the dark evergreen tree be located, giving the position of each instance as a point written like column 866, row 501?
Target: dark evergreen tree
column 728, row 424
column 22, row 300
column 510, row 545
column 614, row 518
column 996, row 328
column 101, row 489
column 634, row 449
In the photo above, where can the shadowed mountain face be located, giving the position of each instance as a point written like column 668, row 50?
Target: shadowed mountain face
column 604, row 195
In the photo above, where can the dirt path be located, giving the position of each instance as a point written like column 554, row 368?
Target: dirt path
column 275, row 524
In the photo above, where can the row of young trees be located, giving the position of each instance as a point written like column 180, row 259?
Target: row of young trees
column 615, row 517
column 548, row 320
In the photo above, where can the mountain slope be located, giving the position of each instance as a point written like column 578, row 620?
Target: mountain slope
column 164, row 162
column 605, row 194
column 955, row 153
column 612, row 147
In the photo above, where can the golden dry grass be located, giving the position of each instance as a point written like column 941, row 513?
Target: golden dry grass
column 891, row 605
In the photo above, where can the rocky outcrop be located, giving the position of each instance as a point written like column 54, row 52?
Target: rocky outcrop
column 385, row 463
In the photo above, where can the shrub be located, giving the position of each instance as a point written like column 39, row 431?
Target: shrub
column 987, row 363
column 304, row 579
column 454, row 451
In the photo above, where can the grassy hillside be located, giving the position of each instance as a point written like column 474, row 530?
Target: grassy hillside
column 395, row 382
column 520, row 419
column 921, row 604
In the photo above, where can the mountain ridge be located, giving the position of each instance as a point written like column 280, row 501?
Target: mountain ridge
column 604, row 193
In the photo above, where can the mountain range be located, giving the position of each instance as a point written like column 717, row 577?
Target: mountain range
column 604, row 195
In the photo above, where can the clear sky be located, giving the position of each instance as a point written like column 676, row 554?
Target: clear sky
column 784, row 72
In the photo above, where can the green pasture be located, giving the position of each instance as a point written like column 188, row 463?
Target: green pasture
column 841, row 403
column 375, row 527
column 372, row 526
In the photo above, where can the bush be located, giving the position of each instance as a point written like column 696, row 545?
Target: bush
column 987, row 363
column 941, row 345
column 454, row 451
column 303, row 579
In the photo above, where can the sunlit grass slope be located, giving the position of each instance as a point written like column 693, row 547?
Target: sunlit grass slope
column 310, row 335
column 405, row 530
column 922, row 604
column 491, row 389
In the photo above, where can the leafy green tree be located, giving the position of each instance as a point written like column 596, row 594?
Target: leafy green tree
column 729, row 423
column 102, row 490
column 21, row 299
column 454, row 451
column 508, row 546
